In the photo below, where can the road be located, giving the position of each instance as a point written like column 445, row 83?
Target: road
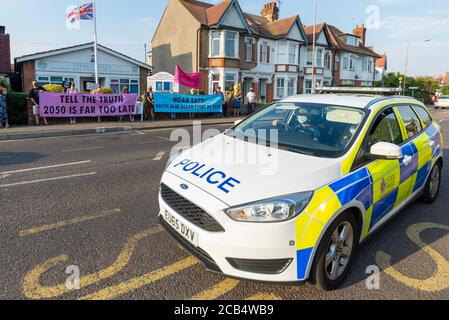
column 90, row 204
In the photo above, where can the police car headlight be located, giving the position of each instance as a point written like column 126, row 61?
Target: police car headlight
column 272, row 210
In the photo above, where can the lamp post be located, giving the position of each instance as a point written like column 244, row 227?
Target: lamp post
column 314, row 47
column 406, row 64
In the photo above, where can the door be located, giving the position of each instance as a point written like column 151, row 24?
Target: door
column 385, row 174
column 421, row 146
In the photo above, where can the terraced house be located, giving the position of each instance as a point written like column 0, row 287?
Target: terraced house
column 271, row 55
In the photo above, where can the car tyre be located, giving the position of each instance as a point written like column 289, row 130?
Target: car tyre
column 432, row 188
column 333, row 253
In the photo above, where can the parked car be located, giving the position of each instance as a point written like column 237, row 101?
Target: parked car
column 441, row 102
column 344, row 165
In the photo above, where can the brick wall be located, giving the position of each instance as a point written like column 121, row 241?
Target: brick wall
column 5, row 54
column 143, row 79
column 28, row 75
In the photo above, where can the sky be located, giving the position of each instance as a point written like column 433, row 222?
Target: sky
column 126, row 26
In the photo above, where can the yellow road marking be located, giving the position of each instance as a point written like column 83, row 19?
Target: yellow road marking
column 32, row 288
column 124, row 287
column 64, row 223
column 440, row 279
column 265, row 296
column 217, row 291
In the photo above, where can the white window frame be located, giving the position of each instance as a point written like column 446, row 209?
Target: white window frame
column 280, row 90
column 212, row 41
column 309, row 57
column 292, row 48
column 264, row 52
column 249, row 43
column 291, row 85
column 282, row 53
column 236, row 46
column 319, row 57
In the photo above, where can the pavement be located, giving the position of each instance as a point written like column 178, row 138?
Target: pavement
column 88, row 204
column 63, row 130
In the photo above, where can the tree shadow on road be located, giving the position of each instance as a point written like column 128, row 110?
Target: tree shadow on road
column 18, row 158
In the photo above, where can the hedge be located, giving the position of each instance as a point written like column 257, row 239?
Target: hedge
column 16, row 103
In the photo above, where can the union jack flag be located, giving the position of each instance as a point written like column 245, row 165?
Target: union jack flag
column 84, row 12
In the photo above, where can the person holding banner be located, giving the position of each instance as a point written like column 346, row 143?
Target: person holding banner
column 237, row 103
column 131, row 116
column 3, row 108
column 34, row 97
column 72, row 89
column 150, row 102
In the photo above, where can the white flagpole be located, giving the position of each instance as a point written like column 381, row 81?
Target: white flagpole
column 97, row 82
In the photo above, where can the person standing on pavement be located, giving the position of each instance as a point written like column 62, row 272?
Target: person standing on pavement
column 251, row 97
column 72, row 90
column 237, row 104
column 224, row 102
column 3, row 107
column 131, row 117
column 34, row 97
column 150, row 102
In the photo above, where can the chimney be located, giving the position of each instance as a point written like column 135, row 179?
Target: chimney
column 271, row 11
column 360, row 31
column 2, row 30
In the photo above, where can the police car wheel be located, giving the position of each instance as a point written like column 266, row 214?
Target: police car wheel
column 432, row 187
column 335, row 252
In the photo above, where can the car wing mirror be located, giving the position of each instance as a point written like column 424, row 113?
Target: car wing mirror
column 385, row 151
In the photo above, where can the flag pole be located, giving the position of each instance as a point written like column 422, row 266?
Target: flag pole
column 314, row 48
column 97, row 82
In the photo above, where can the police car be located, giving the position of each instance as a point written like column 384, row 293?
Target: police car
column 344, row 165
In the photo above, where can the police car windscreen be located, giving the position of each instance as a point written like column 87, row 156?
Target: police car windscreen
column 314, row 129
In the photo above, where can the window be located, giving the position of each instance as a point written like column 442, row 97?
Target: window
column 215, row 44
column 291, row 87
column 351, row 62
column 264, row 52
column 230, row 44
column 319, row 58
column 42, row 81
column 347, row 82
column 309, row 57
column 411, row 121
column 117, row 85
column 249, row 49
column 352, row 41
column 292, row 53
column 423, row 114
column 308, row 86
column 320, row 130
column 229, row 82
column 327, row 60
column 385, row 129
column 282, row 53
column 370, row 65
column 364, row 64
column 280, row 86
column 345, row 63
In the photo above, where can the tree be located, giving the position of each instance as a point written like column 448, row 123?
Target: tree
column 445, row 90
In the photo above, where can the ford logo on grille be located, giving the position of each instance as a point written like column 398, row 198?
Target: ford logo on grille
column 184, row 186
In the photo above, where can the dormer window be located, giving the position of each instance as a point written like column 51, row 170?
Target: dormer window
column 352, row 41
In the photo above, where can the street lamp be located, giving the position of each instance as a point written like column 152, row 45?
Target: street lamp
column 406, row 64
column 314, row 47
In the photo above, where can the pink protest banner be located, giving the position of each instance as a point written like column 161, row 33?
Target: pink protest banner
column 189, row 80
column 62, row 105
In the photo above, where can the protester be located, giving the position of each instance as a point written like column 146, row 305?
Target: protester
column 131, row 116
column 173, row 114
column 72, row 89
column 3, row 107
column 251, row 96
column 224, row 102
column 191, row 114
column 150, row 102
column 34, row 97
column 237, row 104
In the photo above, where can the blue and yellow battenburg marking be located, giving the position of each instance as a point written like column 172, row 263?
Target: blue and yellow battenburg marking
column 380, row 187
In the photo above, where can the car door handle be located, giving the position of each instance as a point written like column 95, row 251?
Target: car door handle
column 431, row 143
column 407, row 160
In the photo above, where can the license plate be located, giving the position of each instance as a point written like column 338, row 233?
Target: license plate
column 180, row 227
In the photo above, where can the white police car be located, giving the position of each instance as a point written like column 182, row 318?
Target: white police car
column 343, row 165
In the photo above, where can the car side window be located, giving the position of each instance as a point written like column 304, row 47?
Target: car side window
column 423, row 114
column 411, row 121
column 385, row 129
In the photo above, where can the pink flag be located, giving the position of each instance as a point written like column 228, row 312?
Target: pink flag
column 189, row 80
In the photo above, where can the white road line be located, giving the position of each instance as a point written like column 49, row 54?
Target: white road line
column 47, row 167
column 4, row 176
column 163, row 138
column 159, row 156
column 81, row 149
column 46, row 180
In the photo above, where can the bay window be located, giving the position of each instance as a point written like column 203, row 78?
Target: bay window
column 230, row 38
column 280, row 87
column 282, row 52
column 292, row 53
column 264, row 52
column 229, row 81
column 249, row 49
column 309, row 56
column 319, row 57
column 215, row 44
column 291, row 87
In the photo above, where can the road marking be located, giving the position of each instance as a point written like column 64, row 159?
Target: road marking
column 64, row 223
column 33, row 289
column 159, row 156
column 138, row 132
column 440, row 279
column 265, row 296
column 163, row 138
column 4, row 176
column 82, row 149
column 48, row 167
column 124, row 287
column 217, row 291
column 47, row 180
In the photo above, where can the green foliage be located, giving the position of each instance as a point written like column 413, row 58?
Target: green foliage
column 16, row 103
column 445, row 90
column 102, row 91
column 54, row 88
column 195, row 92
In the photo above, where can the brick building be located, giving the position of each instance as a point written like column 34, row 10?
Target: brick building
column 5, row 52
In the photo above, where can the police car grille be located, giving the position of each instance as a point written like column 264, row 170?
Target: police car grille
column 276, row 266
column 189, row 211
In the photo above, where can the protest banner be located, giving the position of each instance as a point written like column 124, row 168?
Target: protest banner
column 184, row 103
column 61, row 105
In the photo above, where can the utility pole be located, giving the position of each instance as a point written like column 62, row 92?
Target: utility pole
column 406, row 67
column 314, row 48
column 145, row 57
